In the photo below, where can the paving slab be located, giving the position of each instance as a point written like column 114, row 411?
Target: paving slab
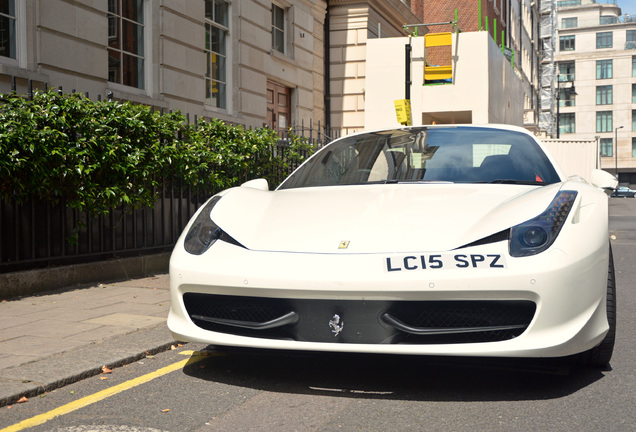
column 8, row 360
column 51, row 372
column 52, row 328
column 134, row 309
column 126, row 320
column 50, row 340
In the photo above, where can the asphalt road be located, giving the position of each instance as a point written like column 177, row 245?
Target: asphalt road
column 263, row 391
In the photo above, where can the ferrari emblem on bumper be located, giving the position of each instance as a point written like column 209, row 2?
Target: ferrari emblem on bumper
column 336, row 325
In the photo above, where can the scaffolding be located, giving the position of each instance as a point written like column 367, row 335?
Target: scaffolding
column 549, row 41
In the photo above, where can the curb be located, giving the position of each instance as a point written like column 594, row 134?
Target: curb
column 50, row 373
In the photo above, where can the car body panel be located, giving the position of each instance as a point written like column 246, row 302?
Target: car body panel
column 349, row 212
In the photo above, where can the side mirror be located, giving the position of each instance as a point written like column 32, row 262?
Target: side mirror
column 260, row 184
column 604, row 180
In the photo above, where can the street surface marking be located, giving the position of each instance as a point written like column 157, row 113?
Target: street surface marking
column 106, row 393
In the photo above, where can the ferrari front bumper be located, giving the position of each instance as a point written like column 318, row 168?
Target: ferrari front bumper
column 548, row 305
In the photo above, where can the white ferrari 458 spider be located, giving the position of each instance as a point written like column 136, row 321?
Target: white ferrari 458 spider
column 429, row 240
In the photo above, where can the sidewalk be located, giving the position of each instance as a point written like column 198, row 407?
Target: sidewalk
column 51, row 340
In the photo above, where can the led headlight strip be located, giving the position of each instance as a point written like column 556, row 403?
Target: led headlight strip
column 538, row 234
column 204, row 232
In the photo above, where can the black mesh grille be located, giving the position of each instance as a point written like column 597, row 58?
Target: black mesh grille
column 467, row 314
column 362, row 322
column 238, row 308
column 234, row 307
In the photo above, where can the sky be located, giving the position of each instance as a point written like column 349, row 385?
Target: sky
column 627, row 6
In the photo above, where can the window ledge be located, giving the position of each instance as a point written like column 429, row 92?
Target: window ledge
column 10, row 67
column 280, row 56
column 131, row 93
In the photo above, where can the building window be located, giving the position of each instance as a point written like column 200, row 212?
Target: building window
column 630, row 39
column 569, row 22
column 634, row 66
column 565, row 3
column 604, row 95
column 607, row 147
column 278, row 28
column 566, row 98
column 634, row 147
column 567, row 123
column 604, row 121
column 608, row 19
column 604, row 40
column 217, row 22
column 566, row 43
column 7, row 29
column 566, row 71
column 633, row 120
column 633, row 93
column 126, row 42
column 604, row 69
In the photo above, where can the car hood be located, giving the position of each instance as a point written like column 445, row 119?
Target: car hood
column 390, row 218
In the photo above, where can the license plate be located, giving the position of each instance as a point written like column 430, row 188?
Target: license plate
column 444, row 261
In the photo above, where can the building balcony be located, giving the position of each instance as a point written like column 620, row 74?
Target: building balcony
column 566, row 77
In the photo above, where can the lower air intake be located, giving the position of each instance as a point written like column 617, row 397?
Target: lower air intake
column 369, row 322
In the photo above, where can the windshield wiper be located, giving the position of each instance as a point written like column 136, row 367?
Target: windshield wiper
column 393, row 181
column 429, row 181
column 519, row 182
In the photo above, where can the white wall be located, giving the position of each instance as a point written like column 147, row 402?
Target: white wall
column 574, row 157
column 484, row 84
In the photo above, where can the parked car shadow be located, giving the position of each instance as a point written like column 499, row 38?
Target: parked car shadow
column 394, row 377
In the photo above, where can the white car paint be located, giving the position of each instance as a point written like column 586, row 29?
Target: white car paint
column 291, row 242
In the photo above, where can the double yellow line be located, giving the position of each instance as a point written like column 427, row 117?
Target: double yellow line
column 106, row 393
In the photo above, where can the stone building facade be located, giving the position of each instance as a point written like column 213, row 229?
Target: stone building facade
column 255, row 62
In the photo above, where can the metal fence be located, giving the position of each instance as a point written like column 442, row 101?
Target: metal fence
column 37, row 234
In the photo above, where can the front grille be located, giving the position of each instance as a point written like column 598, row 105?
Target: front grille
column 471, row 321
column 235, row 307
column 467, row 314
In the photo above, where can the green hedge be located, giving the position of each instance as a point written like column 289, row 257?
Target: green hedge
column 96, row 156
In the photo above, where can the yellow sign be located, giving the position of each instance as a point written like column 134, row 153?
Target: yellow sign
column 403, row 111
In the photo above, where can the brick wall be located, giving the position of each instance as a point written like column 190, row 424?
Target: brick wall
column 432, row 11
column 444, row 11
column 488, row 10
column 435, row 11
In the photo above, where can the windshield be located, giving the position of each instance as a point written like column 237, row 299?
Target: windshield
column 446, row 154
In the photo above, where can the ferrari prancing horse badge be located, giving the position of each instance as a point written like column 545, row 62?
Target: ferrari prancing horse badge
column 336, row 325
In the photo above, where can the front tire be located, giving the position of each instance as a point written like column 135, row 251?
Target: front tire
column 600, row 355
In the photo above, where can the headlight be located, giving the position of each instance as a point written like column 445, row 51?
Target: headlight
column 203, row 232
column 536, row 235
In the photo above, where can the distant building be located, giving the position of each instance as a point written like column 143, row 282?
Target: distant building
column 254, row 62
column 490, row 73
column 246, row 61
column 352, row 24
column 596, row 70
